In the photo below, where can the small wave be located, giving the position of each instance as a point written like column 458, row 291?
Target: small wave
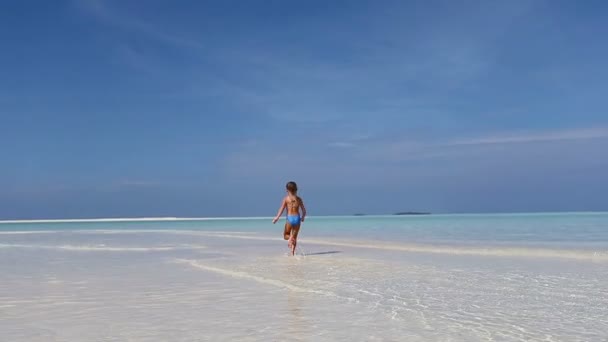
column 479, row 251
column 262, row 280
column 126, row 231
column 86, row 248
column 134, row 219
column 584, row 255
column 159, row 231
column 19, row 232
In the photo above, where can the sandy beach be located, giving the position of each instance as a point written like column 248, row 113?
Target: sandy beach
column 128, row 282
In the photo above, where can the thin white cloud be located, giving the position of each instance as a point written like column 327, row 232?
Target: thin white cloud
column 574, row 134
column 137, row 183
column 100, row 10
column 408, row 150
column 351, row 142
column 293, row 85
column 375, row 162
column 341, row 144
column 37, row 189
column 287, row 83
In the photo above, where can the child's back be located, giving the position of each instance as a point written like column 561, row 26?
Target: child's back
column 294, row 205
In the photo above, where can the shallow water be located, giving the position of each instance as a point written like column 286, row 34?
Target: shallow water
column 233, row 280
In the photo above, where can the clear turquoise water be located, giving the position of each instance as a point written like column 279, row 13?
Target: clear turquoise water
column 524, row 277
column 576, row 230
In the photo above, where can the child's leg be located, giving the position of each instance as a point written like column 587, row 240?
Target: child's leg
column 287, row 231
column 294, row 239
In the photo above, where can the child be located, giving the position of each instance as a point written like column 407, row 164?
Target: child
column 293, row 203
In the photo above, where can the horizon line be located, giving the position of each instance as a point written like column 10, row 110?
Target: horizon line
column 219, row 218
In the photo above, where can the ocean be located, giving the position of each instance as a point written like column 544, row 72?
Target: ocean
column 501, row 277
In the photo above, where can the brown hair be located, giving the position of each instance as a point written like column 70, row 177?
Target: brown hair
column 292, row 187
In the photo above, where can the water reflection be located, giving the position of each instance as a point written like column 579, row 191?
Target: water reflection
column 297, row 324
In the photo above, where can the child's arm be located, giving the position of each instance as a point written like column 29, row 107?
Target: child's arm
column 303, row 209
column 283, row 205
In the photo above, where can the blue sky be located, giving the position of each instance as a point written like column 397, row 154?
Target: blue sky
column 200, row 108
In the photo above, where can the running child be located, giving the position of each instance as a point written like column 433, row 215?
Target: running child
column 294, row 205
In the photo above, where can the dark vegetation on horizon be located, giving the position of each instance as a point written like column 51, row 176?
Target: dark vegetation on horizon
column 411, row 213
column 401, row 213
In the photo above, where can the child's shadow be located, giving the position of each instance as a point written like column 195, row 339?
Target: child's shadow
column 321, row 253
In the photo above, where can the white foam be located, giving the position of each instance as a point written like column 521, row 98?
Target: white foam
column 93, row 248
column 452, row 250
column 262, row 280
column 154, row 231
column 98, row 220
column 481, row 251
column 136, row 219
column 129, row 231
column 19, row 232
column 494, row 251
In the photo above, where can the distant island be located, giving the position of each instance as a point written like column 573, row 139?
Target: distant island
column 400, row 213
column 411, row 213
